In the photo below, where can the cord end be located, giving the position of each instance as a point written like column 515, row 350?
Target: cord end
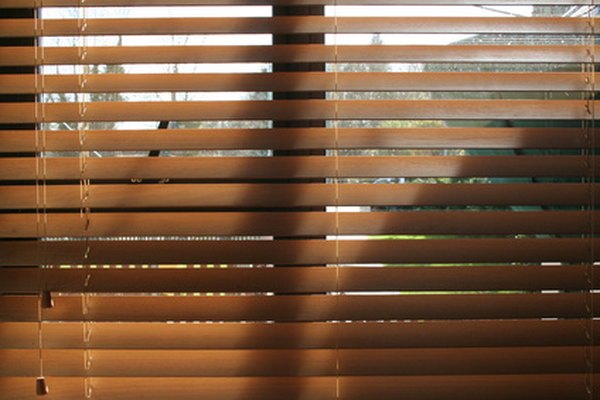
column 47, row 301
column 41, row 388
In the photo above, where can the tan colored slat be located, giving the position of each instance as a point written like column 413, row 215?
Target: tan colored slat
column 100, row 3
column 298, row 110
column 297, row 195
column 293, row 25
column 297, row 252
column 301, row 308
column 291, row 363
column 314, row 388
column 295, row 54
column 299, row 138
column 305, row 81
column 298, row 335
column 297, row 224
column 69, row 168
column 469, row 387
column 299, row 279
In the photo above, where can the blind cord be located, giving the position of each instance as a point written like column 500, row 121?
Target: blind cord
column 44, row 299
column 41, row 386
column 82, row 127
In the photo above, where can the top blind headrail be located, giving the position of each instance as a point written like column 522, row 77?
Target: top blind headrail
column 110, row 3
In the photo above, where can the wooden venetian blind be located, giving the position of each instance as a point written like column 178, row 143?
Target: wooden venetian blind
column 298, row 199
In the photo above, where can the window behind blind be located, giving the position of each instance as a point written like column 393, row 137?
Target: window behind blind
column 298, row 199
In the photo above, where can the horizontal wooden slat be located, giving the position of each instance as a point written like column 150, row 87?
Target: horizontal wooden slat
column 70, row 168
column 296, row 54
column 297, row 224
column 302, row 308
column 299, row 252
column 300, row 279
column 468, row 387
column 305, row 81
column 330, row 362
column 100, row 3
column 299, row 138
column 298, row 110
column 138, row 196
column 298, row 335
column 513, row 387
column 292, row 25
